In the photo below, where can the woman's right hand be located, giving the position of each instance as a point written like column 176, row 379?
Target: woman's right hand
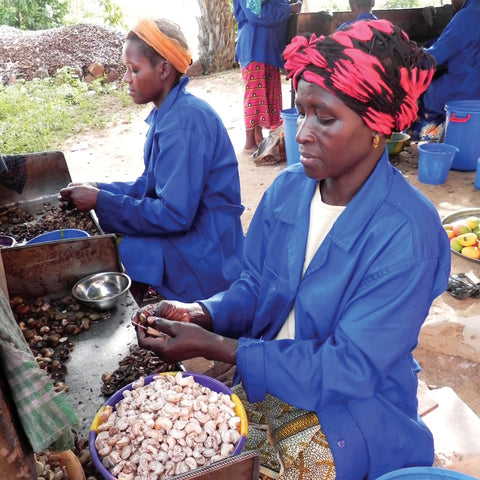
column 82, row 196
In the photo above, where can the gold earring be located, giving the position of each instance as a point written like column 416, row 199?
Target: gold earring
column 376, row 140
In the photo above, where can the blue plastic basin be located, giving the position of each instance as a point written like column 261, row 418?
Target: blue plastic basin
column 63, row 234
column 424, row 473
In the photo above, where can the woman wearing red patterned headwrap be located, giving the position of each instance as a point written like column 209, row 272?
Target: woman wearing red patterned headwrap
column 342, row 262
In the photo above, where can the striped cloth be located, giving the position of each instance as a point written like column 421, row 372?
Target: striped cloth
column 46, row 416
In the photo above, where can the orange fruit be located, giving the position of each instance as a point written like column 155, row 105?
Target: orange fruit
column 471, row 251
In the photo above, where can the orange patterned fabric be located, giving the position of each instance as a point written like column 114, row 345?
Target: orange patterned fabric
column 169, row 48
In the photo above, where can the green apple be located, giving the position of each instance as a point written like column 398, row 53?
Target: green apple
column 477, row 232
column 472, row 222
column 455, row 244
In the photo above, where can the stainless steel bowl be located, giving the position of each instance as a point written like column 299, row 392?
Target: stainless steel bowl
column 101, row 291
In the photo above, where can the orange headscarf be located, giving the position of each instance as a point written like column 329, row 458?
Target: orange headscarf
column 169, row 48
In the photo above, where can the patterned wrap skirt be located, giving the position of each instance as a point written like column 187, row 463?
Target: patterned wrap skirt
column 263, row 96
column 289, row 440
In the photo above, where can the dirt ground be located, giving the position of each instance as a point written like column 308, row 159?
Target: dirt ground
column 116, row 154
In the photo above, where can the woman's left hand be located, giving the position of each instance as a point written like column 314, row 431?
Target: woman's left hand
column 177, row 341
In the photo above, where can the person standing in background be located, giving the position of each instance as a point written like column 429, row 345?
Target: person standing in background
column 362, row 9
column 457, row 77
column 262, row 37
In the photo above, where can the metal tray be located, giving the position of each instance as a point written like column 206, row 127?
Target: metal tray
column 462, row 215
column 27, row 220
column 30, row 207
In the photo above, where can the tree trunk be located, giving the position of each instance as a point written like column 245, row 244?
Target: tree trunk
column 217, row 34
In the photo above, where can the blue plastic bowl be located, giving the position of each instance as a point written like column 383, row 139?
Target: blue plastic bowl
column 424, row 473
column 63, row 234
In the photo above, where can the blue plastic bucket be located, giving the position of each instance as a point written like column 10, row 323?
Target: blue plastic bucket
column 477, row 175
column 64, row 234
column 462, row 129
column 434, row 162
column 424, row 473
column 290, row 117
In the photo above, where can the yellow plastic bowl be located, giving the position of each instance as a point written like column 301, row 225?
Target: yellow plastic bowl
column 396, row 142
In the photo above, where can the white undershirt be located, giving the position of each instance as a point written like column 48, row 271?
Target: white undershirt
column 322, row 218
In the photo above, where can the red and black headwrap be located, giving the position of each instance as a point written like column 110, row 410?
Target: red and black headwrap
column 372, row 67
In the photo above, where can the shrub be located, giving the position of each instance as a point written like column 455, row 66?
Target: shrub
column 41, row 114
column 33, row 14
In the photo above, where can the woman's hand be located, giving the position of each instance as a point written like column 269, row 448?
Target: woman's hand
column 178, row 311
column 82, row 196
column 174, row 341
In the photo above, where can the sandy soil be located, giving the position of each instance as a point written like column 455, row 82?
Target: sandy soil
column 116, row 154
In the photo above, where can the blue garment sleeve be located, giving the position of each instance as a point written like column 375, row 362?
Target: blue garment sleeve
column 175, row 189
column 233, row 311
column 373, row 340
column 449, row 42
column 133, row 189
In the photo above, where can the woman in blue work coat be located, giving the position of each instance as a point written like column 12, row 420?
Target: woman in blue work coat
column 179, row 222
column 457, row 52
column 343, row 260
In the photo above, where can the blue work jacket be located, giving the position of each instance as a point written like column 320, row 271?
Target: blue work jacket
column 358, row 312
column 458, row 49
column 363, row 16
column 261, row 38
column 180, row 219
